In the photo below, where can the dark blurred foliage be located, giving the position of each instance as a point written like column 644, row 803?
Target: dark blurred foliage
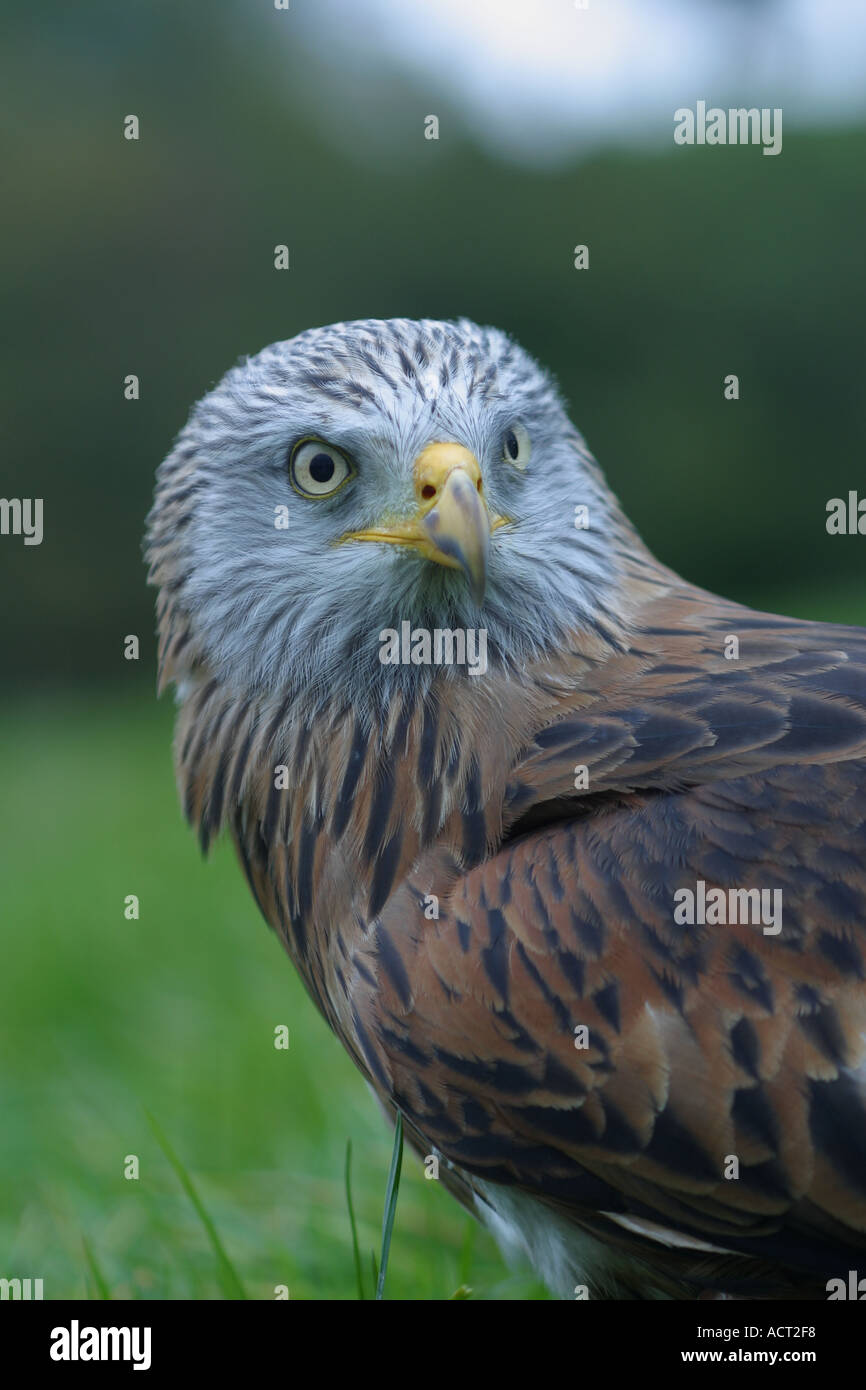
column 156, row 258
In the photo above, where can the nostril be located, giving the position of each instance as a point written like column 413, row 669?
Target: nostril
column 428, row 491
column 480, row 484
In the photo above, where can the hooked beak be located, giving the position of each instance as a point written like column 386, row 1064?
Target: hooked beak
column 452, row 525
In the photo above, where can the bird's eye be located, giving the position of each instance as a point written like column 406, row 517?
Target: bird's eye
column 317, row 469
column 516, row 447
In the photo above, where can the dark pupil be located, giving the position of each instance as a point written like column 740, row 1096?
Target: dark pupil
column 511, row 444
column 321, row 468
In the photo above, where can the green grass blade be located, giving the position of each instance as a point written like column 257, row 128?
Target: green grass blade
column 390, row 1204
column 228, row 1277
column 355, row 1249
column 466, row 1250
column 95, row 1271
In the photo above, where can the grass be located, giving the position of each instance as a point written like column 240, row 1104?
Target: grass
column 390, row 1212
column 103, row 1020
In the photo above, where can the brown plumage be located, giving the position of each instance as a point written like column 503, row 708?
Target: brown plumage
column 554, row 809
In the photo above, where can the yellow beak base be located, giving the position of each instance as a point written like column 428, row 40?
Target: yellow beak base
column 452, row 525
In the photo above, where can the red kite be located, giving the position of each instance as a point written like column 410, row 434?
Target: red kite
column 579, row 882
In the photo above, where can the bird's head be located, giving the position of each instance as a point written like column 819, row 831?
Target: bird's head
column 366, row 475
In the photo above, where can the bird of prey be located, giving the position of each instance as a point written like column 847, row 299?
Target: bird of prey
column 568, row 852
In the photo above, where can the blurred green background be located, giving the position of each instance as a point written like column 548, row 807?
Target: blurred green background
column 156, row 258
